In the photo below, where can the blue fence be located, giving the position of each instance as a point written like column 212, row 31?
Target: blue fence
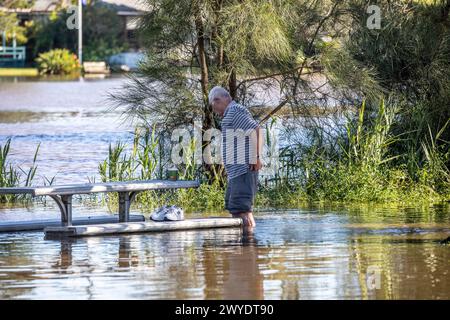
column 12, row 56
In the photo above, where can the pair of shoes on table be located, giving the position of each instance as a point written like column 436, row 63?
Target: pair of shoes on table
column 168, row 213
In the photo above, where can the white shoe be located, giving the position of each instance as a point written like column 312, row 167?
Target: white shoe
column 158, row 214
column 174, row 213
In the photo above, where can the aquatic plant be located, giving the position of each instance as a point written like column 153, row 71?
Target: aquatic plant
column 14, row 176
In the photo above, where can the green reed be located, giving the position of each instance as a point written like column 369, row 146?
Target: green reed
column 367, row 165
column 364, row 167
column 15, row 176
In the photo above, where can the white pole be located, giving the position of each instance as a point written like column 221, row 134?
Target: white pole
column 14, row 46
column 80, row 32
column 4, row 41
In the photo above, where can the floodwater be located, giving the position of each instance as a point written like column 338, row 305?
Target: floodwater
column 71, row 121
column 308, row 253
column 314, row 252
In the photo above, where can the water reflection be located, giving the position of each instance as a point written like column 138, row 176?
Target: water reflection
column 242, row 277
column 164, row 265
column 315, row 254
column 65, row 255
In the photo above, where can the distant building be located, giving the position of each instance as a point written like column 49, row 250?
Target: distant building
column 41, row 8
column 128, row 10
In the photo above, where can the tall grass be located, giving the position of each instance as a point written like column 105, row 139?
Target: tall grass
column 146, row 161
column 142, row 163
column 434, row 172
column 367, row 166
column 364, row 165
column 11, row 176
column 117, row 167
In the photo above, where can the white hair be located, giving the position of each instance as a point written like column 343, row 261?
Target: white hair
column 217, row 91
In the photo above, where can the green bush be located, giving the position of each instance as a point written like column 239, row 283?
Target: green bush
column 58, row 61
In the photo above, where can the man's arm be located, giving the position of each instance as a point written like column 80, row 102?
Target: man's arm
column 259, row 147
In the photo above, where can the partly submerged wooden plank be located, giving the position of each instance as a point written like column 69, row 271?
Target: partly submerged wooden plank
column 121, row 186
column 13, row 226
column 139, row 227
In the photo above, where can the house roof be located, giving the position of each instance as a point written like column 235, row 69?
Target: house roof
column 128, row 5
column 45, row 5
column 121, row 6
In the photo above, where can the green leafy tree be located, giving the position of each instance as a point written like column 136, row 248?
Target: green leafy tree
column 102, row 32
column 192, row 45
column 246, row 46
column 9, row 22
column 411, row 56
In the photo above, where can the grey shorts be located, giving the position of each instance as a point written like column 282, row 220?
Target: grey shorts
column 241, row 192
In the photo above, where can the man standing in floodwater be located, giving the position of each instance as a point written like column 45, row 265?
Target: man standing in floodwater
column 241, row 148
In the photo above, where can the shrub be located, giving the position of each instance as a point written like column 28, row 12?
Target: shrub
column 12, row 176
column 58, row 61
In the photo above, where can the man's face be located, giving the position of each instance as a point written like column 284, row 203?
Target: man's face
column 219, row 104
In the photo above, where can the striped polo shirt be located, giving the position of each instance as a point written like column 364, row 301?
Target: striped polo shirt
column 237, row 126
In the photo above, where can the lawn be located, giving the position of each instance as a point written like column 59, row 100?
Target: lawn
column 18, row 72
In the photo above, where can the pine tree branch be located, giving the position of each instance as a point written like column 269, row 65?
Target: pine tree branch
column 288, row 98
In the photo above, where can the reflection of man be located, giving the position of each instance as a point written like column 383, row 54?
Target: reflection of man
column 242, row 279
column 65, row 254
column 241, row 164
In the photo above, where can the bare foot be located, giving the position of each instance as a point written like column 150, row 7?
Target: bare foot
column 248, row 230
column 247, row 218
column 251, row 219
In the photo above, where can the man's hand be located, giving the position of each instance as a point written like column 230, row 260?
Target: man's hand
column 257, row 166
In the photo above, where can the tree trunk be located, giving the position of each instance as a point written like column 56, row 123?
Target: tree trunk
column 208, row 116
column 217, row 5
column 232, row 84
column 207, row 111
